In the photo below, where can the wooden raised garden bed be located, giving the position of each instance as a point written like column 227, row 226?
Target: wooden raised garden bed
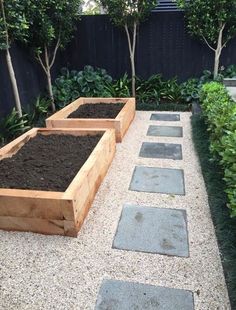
column 52, row 211
column 121, row 122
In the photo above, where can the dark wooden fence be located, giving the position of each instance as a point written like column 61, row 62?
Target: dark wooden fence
column 163, row 46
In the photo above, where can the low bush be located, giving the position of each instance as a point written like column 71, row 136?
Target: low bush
column 12, row 126
column 89, row 82
column 225, row 226
column 220, row 113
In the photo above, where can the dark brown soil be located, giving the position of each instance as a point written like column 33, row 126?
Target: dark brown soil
column 98, row 110
column 47, row 162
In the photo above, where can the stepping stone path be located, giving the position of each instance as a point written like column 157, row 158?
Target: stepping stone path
column 165, row 131
column 152, row 230
column 119, row 295
column 161, row 150
column 165, row 117
column 158, row 180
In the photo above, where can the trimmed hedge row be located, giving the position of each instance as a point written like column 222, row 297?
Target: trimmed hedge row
column 220, row 113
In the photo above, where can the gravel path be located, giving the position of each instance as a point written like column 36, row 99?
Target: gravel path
column 52, row 272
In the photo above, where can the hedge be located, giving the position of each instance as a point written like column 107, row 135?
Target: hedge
column 219, row 111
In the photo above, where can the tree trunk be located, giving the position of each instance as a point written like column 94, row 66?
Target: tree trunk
column 49, row 80
column 133, row 75
column 50, row 92
column 132, row 47
column 13, row 82
column 216, row 64
column 218, row 51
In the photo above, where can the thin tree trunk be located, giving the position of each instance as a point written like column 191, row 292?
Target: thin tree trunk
column 132, row 47
column 216, row 64
column 50, row 92
column 10, row 65
column 13, row 82
column 49, row 79
column 218, row 51
column 133, row 75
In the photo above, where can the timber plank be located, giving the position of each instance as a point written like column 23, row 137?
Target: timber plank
column 121, row 123
column 60, row 213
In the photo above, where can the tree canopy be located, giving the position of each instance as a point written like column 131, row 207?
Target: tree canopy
column 206, row 18
column 13, row 23
column 128, row 11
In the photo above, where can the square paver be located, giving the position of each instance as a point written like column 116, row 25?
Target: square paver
column 161, row 150
column 158, row 180
column 165, row 131
column 121, row 295
column 152, row 230
column 165, row 117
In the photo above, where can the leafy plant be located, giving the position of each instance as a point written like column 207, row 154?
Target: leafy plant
column 190, row 90
column 12, row 126
column 229, row 72
column 39, row 112
column 220, row 112
column 89, row 82
column 120, row 87
column 149, row 90
column 170, row 91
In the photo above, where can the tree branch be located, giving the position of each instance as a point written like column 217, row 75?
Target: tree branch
column 55, row 51
column 38, row 57
column 134, row 37
column 213, row 49
column 129, row 40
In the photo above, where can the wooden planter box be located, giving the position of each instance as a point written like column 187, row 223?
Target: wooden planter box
column 121, row 123
column 56, row 213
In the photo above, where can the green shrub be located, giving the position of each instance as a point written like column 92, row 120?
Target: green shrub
column 220, row 113
column 155, row 90
column 39, row 111
column 170, row 91
column 148, row 91
column 87, row 83
column 120, row 88
column 229, row 72
column 12, row 126
column 190, row 90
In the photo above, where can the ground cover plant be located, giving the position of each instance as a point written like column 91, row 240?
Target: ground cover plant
column 225, row 226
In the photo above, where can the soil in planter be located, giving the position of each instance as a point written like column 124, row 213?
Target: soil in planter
column 98, row 110
column 47, row 162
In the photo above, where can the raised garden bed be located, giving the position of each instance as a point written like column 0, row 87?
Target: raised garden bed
column 52, row 202
column 116, row 113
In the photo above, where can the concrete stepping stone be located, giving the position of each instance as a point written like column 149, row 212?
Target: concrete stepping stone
column 152, row 230
column 165, row 131
column 122, row 295
column 165, row 117
column 161, row 150
column 158, row 180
